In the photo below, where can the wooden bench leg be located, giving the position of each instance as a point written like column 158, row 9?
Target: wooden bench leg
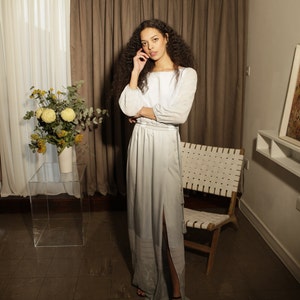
column 213, row 249
column 235, row 222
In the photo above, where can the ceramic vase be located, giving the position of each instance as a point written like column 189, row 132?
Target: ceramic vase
column 65, row 160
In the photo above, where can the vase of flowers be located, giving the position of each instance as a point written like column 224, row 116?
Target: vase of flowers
column 60, row 117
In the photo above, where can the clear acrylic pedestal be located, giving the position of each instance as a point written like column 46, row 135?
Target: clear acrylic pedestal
column 59, row 216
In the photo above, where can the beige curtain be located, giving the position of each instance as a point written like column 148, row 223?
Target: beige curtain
column 216, row 32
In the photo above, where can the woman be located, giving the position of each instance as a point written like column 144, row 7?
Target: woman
column 156, row 83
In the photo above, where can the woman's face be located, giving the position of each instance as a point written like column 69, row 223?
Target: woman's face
column 153, row 43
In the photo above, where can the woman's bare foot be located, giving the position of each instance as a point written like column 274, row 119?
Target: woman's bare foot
column 140, row 293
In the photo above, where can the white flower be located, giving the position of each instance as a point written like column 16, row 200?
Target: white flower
column 68, row 114
column 39, row 112
column 48, row 115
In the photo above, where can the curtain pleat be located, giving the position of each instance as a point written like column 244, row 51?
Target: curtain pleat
column 215, row 30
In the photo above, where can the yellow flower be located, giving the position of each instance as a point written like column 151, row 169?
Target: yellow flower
column 35, row 136
column 68, row 114
column 62, row 143
column 34, row 92
column 48, row 115
column 41, row 143
column 61, row 133
column 42, row 149
column 78, row 138
column 39, row 112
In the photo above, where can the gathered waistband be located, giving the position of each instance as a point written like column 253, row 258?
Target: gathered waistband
column 157, row 126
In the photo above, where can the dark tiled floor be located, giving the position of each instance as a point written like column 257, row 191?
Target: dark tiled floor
column 245, row 268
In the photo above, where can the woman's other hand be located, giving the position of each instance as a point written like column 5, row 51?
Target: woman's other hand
column 132, row 120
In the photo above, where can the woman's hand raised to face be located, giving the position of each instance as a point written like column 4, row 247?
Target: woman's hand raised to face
column 139, row 61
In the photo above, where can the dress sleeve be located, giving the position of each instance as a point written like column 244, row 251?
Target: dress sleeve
column 178, row 112
column 131, row 101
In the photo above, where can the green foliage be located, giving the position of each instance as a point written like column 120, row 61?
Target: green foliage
column 61, row 117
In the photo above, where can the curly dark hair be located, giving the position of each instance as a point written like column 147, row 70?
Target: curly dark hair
column 179, row 52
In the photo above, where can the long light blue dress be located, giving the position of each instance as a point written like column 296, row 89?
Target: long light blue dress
column 154, row 185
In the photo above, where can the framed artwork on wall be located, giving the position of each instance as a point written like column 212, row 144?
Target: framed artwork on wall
column 290, row 123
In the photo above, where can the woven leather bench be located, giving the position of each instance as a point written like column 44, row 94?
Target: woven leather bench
column 213, row 171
